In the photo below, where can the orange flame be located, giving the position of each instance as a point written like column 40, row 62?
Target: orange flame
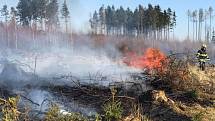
column 151, row 59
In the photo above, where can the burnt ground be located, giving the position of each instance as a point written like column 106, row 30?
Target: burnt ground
column 189, row 105
column 96, row 97
column 91, row 96
column 186, row 106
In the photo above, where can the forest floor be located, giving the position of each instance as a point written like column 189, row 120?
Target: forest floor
column 187, row 105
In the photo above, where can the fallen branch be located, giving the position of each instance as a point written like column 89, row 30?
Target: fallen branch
column 30, row 100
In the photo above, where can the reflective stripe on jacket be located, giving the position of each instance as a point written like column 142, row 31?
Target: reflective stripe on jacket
column 202, row 56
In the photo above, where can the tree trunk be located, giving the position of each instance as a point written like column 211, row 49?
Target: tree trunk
column 210, row 27
column 7, row 36
column 193, row 30
column 206, row 29
column 199, row 31
column 16, row 38
column 66, row 22
column 196, row 30
column 188, row 27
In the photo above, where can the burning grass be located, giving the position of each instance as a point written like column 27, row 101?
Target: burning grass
column 182, row 75
column 187, row 92
column 184, row 83
column 151, row 59
column 191, row 89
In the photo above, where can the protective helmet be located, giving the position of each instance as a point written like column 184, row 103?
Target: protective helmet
column 204, row 45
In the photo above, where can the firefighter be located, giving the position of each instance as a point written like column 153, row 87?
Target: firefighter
column 202, row 56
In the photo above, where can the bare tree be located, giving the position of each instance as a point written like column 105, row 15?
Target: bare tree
column 205, row 18
column 201, row 19
column 65, row 14
column 194, row 19
column 13, row 14
column 188, row 26
column 210, row 14
column 5, row 13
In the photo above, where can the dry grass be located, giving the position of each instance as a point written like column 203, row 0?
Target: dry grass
column 191, row 89
column 197, row 112
column 9, row 109
column 54, row 114
column 136, row 114
column 182, row 75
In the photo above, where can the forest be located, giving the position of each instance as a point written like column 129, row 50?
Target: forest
column 35, row 19
column 148, row 22
column 130, row 64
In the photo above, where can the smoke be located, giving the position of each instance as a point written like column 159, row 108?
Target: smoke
column 83, row 61
column 41, row 98
column 79, row 16
column 24, row 71
column 42, row 58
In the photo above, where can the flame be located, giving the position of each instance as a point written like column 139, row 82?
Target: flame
column 151, row 59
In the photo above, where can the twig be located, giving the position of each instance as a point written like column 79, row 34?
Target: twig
column 35, row 65
column 126, row 97
column 30, row 100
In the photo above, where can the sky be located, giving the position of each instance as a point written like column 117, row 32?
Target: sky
column 82, row 9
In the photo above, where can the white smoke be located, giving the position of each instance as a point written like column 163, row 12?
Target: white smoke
column 19, row 73
column 25, row 67
column 25, row 71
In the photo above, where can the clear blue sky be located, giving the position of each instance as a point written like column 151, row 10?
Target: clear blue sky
column 81, row 9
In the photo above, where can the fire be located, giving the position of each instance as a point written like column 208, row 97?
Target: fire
column 151, row 59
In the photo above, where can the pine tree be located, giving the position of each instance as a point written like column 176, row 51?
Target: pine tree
column 157, row 10
column 205, row 18
column 210, row 14
column 165, row 24
column 14, row 18
column 155, row 19
column 201, row 19
column 169, row 13
column 141, row 21
column 65, row 14
column 188, row 23
column 24, row 9
column 13, row 12
column 121, row 19
column 5, row 12
column 140, row 13
column 102, row 17
column 195, row 24
column 174, row 22
column 52, row 14
column 38, row 8
column 149, row 18
column 136, row 20
column 95, row 22
column 108, row 19
column 130, row 22
column 113, row 20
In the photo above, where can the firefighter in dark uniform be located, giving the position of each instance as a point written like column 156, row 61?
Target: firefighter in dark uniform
column 202, row 56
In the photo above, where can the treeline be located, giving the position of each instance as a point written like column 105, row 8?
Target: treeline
column 32, row 17
column 201, row 24
column 150, row 22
